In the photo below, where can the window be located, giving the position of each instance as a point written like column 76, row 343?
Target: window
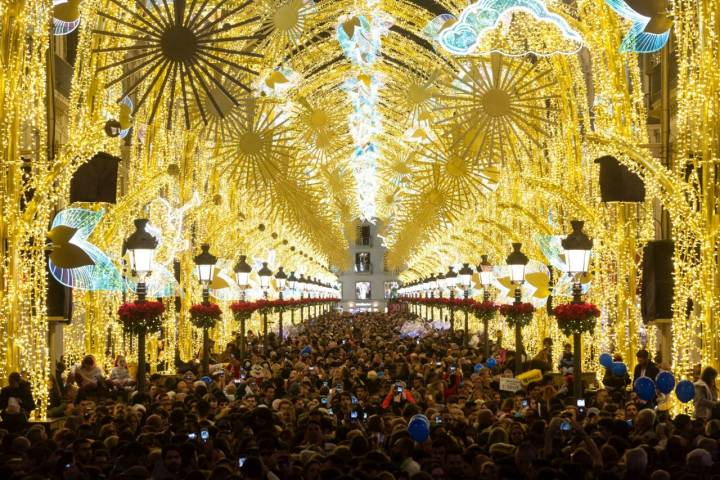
column 363, row 291
column 391, row 289
column 362, row 262
column 363, row 235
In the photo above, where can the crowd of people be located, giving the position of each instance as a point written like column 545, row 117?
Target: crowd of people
column 334, row 400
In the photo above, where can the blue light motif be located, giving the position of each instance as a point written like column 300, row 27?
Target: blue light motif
column 102, row 275
column 637, row 40
column 463, row 37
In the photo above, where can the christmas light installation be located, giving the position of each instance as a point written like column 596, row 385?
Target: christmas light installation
column 463, row 36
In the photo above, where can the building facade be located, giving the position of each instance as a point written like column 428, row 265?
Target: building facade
column 367, row 285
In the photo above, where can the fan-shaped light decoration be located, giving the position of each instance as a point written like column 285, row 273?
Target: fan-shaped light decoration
column 651, row 24
column 258, row 146
column 284, row 22
column 443, row 162
column 80, row 264
column 66, row 16
column 322, row 128
column 184, row 53
column 498, row 107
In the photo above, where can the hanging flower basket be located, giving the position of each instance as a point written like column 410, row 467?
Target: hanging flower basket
column 264, row 306
column 243, row 310
column 485, row 310
column 576, row 317
column 141, row 317
column 205, row 315
column 517, row 313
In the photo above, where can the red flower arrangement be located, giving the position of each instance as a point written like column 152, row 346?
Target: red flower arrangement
column 242, row 309
column 264, row 306
column 517, row 313
column 486, row 309
column 204, row 315
column 141, row 317
column 576, row 317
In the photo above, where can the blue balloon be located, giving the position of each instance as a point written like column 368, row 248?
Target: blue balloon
column 606, row 360
column 665, row 382
column 619, row 369
column 206, row 379
column 307, row 350
column 491, row 362
column 645, row 388
column 685, row 391
column 478, row 367
column 419, row 428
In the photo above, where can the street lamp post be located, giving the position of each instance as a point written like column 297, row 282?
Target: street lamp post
column 205, row 267
column 517, row 262
column 577, row 246
column 242, row 276
column 450, row 281
column 301, row 287
column 265, row 275
column 292, row 284
column 141, row 247
column 465, row 276
column 280, row 280
column 486, row 277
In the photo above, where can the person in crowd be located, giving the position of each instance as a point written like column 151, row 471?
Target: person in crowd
column 17, row 393
column 566, row 360
column 87, row 376
column 339, row 398
column 706, row 394
column 644, row 367
column 120, row 375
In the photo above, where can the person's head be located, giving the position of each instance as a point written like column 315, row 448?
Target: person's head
column 87, row 361
column 643, row 357
column 172, row 458
column 567, row 348
column 82, row 451
column 636, row 461
column 14, row 379
column 709, row 374
column 547, row 342
column 454, row 463
column 645, row 419
column 630, row 411
column 120, row 361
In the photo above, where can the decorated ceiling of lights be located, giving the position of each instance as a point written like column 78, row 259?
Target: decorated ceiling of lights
column 267, row 127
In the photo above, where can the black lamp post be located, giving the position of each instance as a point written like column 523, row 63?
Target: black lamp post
column 242, row 276
column 265, row 275
column 465, row 276
column 292, row 285
column 301, row 287
column 280, row 281
column 205, row 267
column 450, row 281
column 485, row 269
column 517, row 262
column 141, row 247
column 577, row 246
column 432, row 286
